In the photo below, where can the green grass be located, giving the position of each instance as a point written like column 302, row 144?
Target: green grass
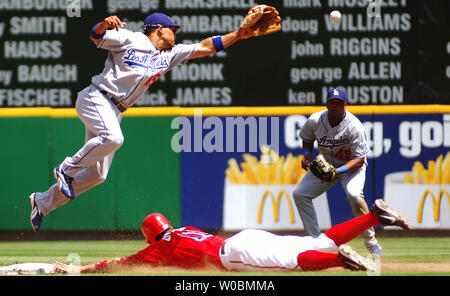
column 396, row 250
column 411, row 249
column 51, row 251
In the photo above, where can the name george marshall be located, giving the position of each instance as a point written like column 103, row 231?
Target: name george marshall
column 333, row 142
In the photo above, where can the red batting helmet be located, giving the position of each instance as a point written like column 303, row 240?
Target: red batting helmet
column 153, row 225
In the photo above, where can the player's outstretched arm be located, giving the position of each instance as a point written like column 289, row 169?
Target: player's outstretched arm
column 259, row 21
column 214, row 44
column 111, row 22
column 99, row 267
column 69, row 268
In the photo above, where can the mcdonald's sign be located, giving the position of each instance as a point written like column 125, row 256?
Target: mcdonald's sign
column 275, row 205
column 435, row 201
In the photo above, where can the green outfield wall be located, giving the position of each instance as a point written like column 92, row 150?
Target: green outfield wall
column 148, row 176
column 144, row 176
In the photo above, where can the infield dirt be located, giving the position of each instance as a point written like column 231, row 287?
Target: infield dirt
column 385, row 267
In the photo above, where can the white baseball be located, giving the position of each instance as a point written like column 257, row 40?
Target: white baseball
column 335, row 16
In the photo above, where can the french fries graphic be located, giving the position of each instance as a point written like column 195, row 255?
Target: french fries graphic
column 270, row 169
column 438, row 172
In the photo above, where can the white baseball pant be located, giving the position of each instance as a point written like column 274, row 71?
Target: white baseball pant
column 259, row 250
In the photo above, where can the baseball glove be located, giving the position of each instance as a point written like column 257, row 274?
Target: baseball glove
column 322, row 169
column 262, row 20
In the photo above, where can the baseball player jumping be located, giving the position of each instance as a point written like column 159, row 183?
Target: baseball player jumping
column 249, row 250
column 135, row 61
column 342, row 141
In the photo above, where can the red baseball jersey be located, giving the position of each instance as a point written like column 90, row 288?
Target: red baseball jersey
column 186, row 247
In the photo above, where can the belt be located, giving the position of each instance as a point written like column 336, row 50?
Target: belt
column 115, row 101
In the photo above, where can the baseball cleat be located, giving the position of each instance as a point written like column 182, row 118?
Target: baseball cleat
column 353, row 260
column 374, row 248
column 388, row 216
column 36, row 215
column 64, row 183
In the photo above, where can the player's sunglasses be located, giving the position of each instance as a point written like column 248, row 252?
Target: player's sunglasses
column 174, row 29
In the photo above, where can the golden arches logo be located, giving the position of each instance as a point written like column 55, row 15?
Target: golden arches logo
column 275, row 205
column 436, row 203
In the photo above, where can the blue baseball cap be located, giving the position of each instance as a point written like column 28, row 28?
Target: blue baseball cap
column 159, row 19
column 337, row 93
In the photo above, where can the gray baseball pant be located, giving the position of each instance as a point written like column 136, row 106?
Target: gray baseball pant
column 90, row 165
column 311, row 187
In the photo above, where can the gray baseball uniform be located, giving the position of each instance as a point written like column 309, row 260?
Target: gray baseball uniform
column 338, row 145
column 132, row 66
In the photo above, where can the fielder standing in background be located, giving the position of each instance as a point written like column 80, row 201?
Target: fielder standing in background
column 135, row 61
column 342, row 141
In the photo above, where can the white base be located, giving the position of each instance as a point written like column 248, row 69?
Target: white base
column 27, row 268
